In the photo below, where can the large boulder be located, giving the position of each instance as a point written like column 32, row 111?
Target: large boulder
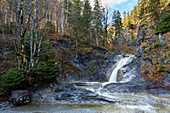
column 20, row 97
column 74, row 94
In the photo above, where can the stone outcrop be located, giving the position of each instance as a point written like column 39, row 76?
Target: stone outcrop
column 68, row 94
column 20, row 97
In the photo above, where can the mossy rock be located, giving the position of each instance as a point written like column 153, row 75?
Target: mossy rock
column 167, row 60
column 145, row 56
column 166, row 68
column 156, row 44
column 96, row 53
column 84, row 50
column 75, row 69
column 104, row 65
column 93, row 62
column 153, row 56
column 147, row 49
column 144, row 45
column 86, row 69
column 94, row 67
column 160, row 67
column 58, row 89
column 120, row 75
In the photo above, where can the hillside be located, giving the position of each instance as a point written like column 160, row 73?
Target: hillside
column 152, row 46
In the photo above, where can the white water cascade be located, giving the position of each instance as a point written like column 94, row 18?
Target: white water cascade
column 160, row 38
column 120, row 64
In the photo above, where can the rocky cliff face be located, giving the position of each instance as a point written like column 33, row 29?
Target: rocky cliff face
column 91, row 63
column 153, row 54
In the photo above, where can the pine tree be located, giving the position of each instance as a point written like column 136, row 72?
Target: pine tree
column 138, row 9
column 129, row 23
column 117, row 23
column 87, row 18
column 132, row 38
column 69, row 16
column 76, row 20
column 97, row 21
column 154, row 9
column 124, row 19
column 141, row 9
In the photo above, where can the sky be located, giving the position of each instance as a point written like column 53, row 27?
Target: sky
column 121, row 5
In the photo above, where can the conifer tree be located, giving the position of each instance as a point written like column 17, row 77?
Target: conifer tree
column 154, row 9
column 138, row 9
column 87, row 18
column 117, row 23
column 124, row 19
column 141, row 9
column 132, row 38
column 76, row 19
column 97, row 21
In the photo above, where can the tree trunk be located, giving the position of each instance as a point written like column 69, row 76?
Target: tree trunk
column 27, row 78
column 29, row 17
column 31, row 64
column 62, row 18
column 35, row 22
column 7, row 19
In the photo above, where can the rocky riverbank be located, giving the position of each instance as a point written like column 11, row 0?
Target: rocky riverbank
column 46, row 99
column 91, row 64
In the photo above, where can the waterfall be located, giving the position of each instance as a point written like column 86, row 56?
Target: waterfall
column 120, row 64
column 160, row 38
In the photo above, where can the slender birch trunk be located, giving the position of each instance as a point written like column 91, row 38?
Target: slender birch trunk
column 62, row 18
column 7, row 19
column 31, row 64
column 17, row 19
column 35, row 8
column 13, row 13
column 57, row 16
column 29, row 17
column 67, row 17
column 22, row 32
column 39, row 48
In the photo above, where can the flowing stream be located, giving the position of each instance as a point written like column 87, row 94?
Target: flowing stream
column 126, row 103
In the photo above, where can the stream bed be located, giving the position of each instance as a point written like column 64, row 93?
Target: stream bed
column 87, row 108
column 125, row 103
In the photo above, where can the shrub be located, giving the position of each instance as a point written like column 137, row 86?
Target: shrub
column 45, row 72
column 12, row 80
column 164, row 25
column 151, row 27
column 50, row 27
column 160, row 66
column 132, row 38
column 156, row 44
column 130, row 26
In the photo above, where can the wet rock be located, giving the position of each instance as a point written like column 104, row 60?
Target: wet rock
column 67, row 94
column 62, row 45
column 20, row 97
column 5, row 105
column 120, row 75
column 73, row 94
column 43, row 94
